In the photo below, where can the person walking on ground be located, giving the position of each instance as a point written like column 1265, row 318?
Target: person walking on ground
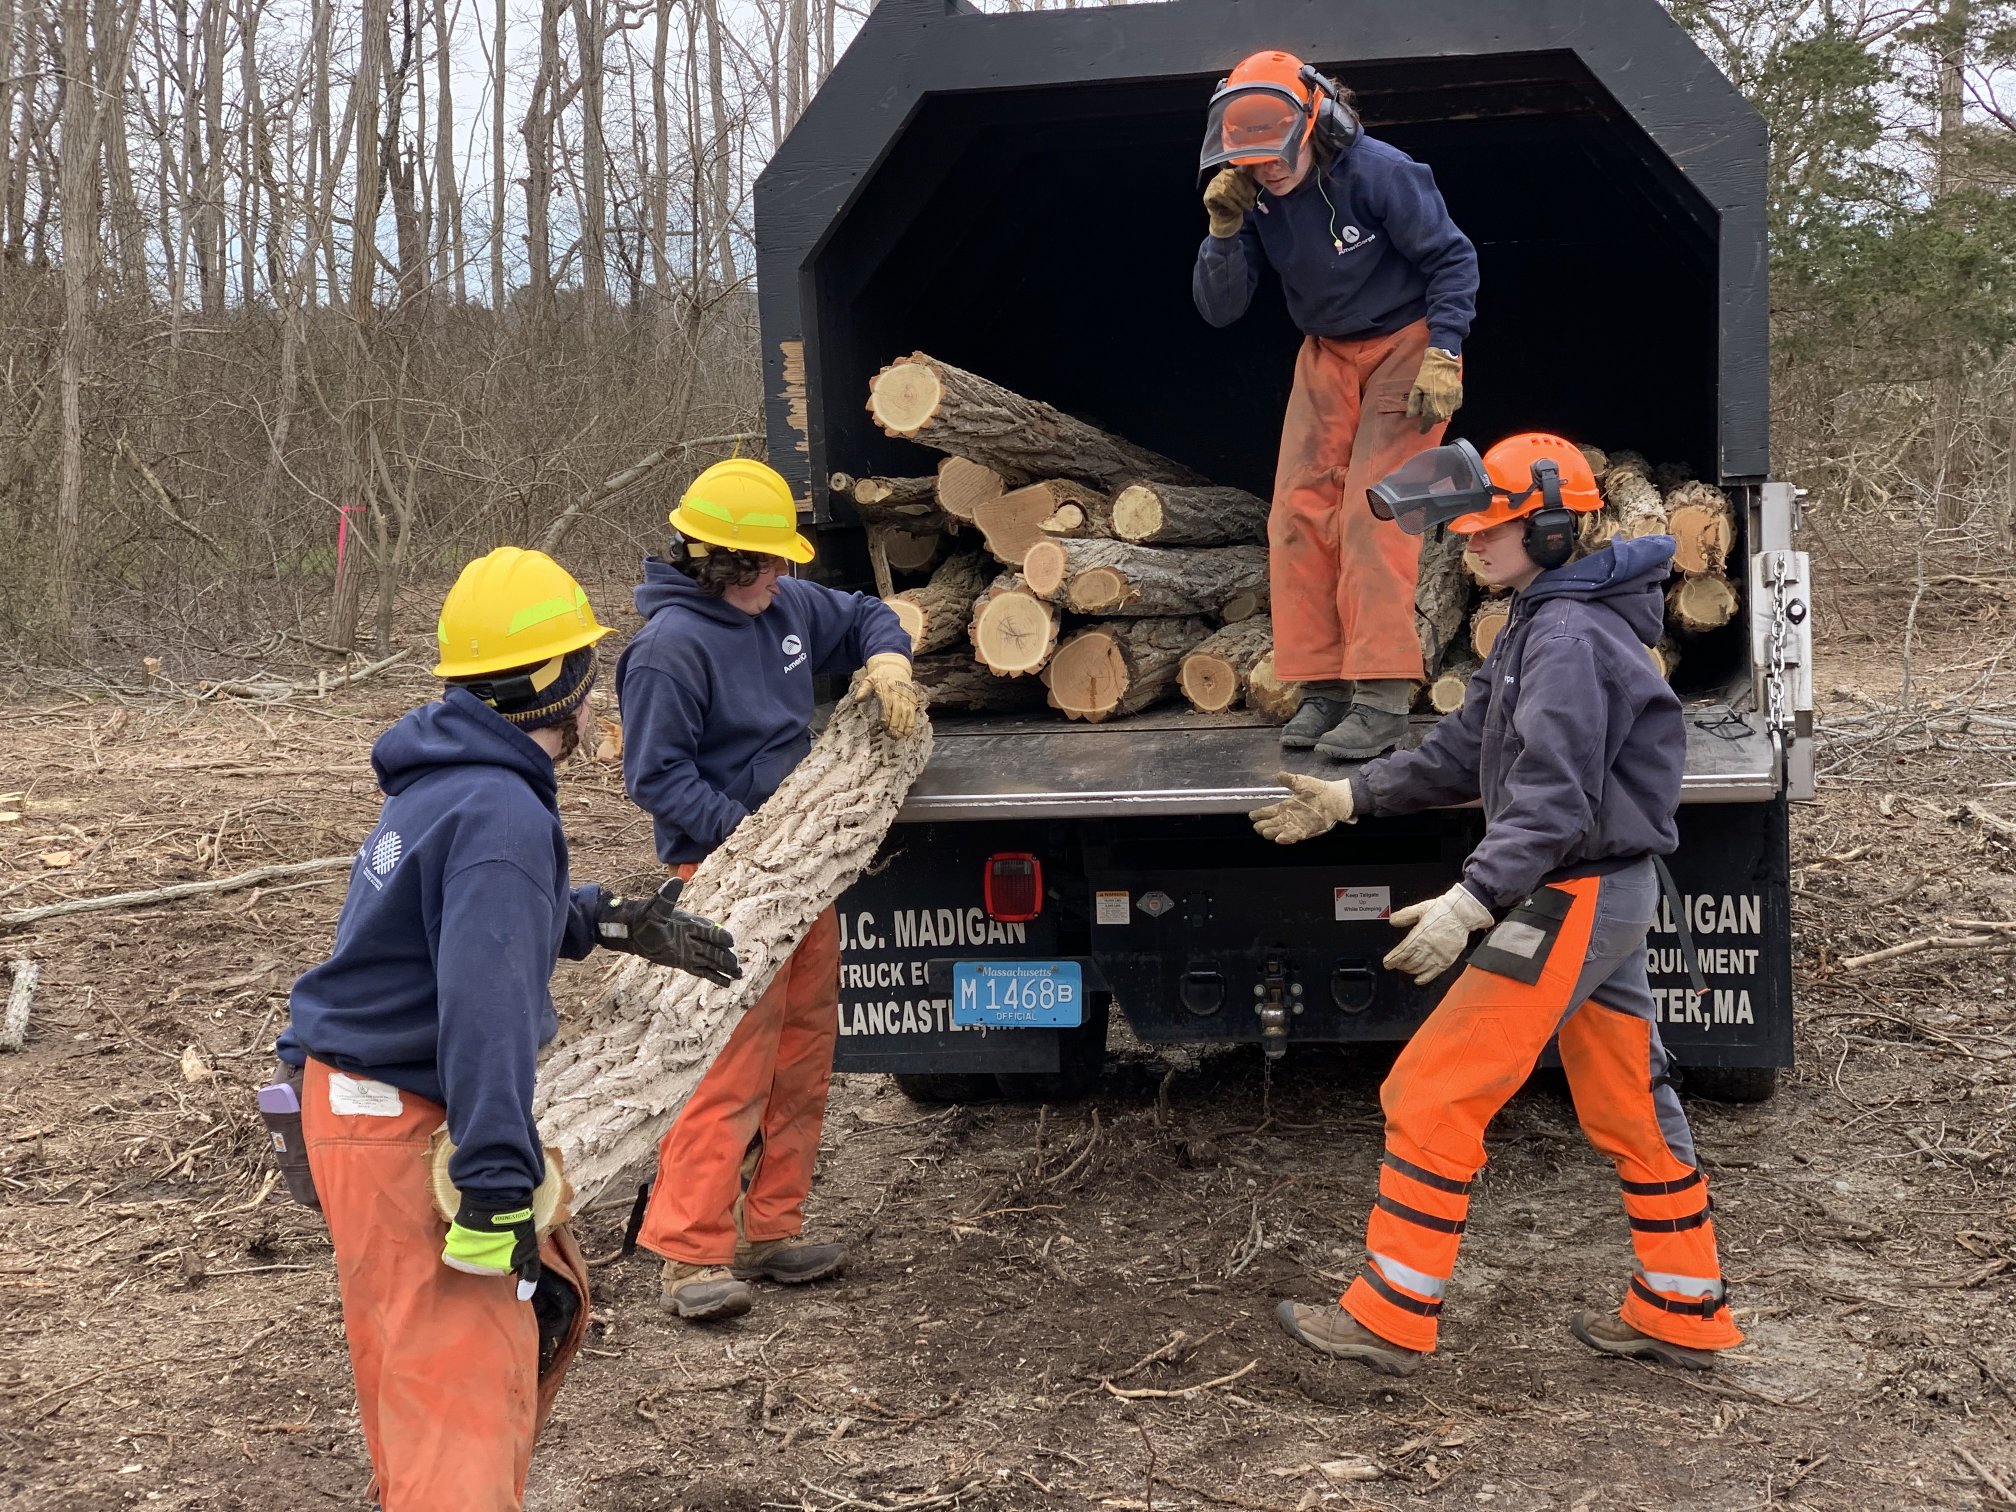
column 1383, row 286
column 716, row 694
column 425, row 1022
column 1575, row 745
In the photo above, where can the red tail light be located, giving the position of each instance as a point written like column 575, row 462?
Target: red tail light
column 1013, row 888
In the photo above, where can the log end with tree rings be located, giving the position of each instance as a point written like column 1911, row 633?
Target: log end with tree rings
column 904, row 397
column 1243, row 605
column 1044, row 567
column 964, row 485
column 1445, row 694
column 1210, row 683
column 1487, row 624
column 910, row 616
column 1666, row 657
column 1099, row 590
column 1012, row 522
column 1214, row 675
column 1700, row 604
column 1137, row 512
column 1702, row 523
column 1597, row 458
column 1068, row 521
column 905, row 550
column 1087, row 676
column 1270, row 696
column 1013, row 632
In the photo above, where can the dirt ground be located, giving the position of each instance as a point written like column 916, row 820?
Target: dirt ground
column 170, row 1325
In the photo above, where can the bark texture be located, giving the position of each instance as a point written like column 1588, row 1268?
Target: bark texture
column 955, row 681
column 1118, row 578
column 1213, row 677
column 1270, row 696
column 1121, row 667
column 936, row 614
column 1441, row 597
column 622, row 1067
column 1166, row 515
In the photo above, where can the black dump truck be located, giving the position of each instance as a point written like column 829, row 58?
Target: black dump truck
column 1018, row 195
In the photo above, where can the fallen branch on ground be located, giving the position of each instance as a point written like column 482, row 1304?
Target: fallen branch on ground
column 1930, row 942
column 1139, row 1393
column 167, row 894
column 14, row 1023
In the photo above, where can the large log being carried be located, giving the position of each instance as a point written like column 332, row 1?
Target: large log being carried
column 1014, row 521
column 1117, row 578
column 922, row 399
column 936, row 614
column 1215, row 675
column 624, row 1066
column 1165, row 514
column 1013, row 631
column 1120, row 667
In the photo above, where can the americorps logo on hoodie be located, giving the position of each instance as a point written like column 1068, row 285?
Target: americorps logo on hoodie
column 382, row 857
column 795, row 649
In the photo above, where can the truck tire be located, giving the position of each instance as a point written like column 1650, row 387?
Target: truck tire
column 1081, row 1055
column 1731, row 1084
column 934, row 1088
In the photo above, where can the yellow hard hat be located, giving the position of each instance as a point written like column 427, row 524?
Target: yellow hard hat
column 509, row 609
column 742, row 505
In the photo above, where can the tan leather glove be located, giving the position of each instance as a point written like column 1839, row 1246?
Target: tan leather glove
column 887, row 677
column 1227, row 198
column 1438, row 388
column 1311, row 809
column 1442, row 929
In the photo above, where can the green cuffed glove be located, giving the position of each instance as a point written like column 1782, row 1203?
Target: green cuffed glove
column 485, row 1243
column 1227, row 198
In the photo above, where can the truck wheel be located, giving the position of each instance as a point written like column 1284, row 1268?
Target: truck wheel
column 1081, row 1055
column 936, row 1087
column 1731, row 1084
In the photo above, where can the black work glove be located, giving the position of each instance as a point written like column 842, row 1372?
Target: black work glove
column 659, row 930
column 485, row 1243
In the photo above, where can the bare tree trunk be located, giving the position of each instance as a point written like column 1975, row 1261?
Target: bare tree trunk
column 500, row 182
column 537, row 129
column 658, row 181
column 720, row 149
column 452, row 256
column 122, row 208
column 10, row 176
column 79, row 253
column 211, row 256
column 396, row 165
column 589, row 28
column 798, row 64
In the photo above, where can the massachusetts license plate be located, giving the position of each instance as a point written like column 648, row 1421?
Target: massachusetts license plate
column 1018, row 994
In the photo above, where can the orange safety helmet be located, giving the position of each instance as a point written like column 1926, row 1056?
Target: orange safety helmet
column 1268, row 109
column 1516, row 489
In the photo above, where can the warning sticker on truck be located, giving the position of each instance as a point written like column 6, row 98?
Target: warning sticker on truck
column 1362, row 902
column 1110, row 908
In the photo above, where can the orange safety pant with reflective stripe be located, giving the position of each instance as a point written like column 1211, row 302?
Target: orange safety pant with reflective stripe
column 1475, row 1050
column 447, row 1364
column 769, row 1082
column 1342, row 581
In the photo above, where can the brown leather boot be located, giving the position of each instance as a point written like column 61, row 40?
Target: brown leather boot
column 789, row 1262
column 703, row 1292
column 1611, row 1335
column 1333, row 1331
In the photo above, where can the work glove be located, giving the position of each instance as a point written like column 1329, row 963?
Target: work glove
column 1441, row 930
column 887, row 677
column 1438, row 388
column 1312, row 808
column 1227, row 198
column 659, row 930
column 484, row 1243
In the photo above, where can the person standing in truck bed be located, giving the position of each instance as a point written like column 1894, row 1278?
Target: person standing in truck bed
column 1575, row 745
column 1383, row 286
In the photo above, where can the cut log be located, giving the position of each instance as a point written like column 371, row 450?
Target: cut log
column 922, row 399
column 1702, row 523
column 937, row 614
column 1121, row 667
column 625, row 1064
column 1668, row 476
column 907, row 503
column 1627, row 461
column 905, row 550
column 1666, row 657
column 1091, row 515
column 1636, row 503
column 1445, row 693
column 1442, row 595
column 1214, row 675
column 1118, row 578
column 955, row 681
column 1699, row 604
column 1597, row 458
column 963, row 485
column 1013, row 522
column 1013, row 631
column 1163, row 514
column 1269, row 696
column 1486, row 622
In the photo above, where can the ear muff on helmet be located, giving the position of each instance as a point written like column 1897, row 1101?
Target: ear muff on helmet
column 1552, row 529
column 1336, row 122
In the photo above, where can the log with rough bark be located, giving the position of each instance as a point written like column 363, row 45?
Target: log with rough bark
column 906, row 550
column 1445, row 693
column 1214, row 675
column 964, row 485
column 1014, row 521
column 1120, row 667
column 1486, row 621
column 936, row 614
column 1442, row 594
column 1597, row 458
column 624, row 1065
column 922, row 399
column 1269, row 695
column 1013, row 631
column 955, row 681
column 1666, row 657
column 1632, row 508
column 1091, row 515
column 1699, row 604
column 1627, row 461
column 1163, row 514
column 909, row 503
column 1702, row 523
column 1118, row 578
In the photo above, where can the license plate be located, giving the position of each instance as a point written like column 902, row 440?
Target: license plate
column 1018, row 994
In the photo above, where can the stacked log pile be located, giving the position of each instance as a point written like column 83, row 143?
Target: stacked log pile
column 1052, row 563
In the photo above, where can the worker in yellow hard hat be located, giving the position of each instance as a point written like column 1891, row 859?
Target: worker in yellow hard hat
column 716, row 692
column 423, row 1025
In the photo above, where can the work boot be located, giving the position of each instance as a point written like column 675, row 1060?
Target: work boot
column 1323, row 704
column 789, row 1262
column 1611, row 1335
column 703, row 1292
column 1333, row 1331
column 1375, row 724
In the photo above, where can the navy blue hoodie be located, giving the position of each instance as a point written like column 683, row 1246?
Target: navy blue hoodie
column 717, row 703
column 458, row 908
column 1379, row 254
column 1568, row 733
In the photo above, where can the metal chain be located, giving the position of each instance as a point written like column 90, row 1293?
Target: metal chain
column 1778, row 697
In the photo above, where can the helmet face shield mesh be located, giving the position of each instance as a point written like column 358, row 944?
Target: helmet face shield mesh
column 1252, row 124
column 1439, row 485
